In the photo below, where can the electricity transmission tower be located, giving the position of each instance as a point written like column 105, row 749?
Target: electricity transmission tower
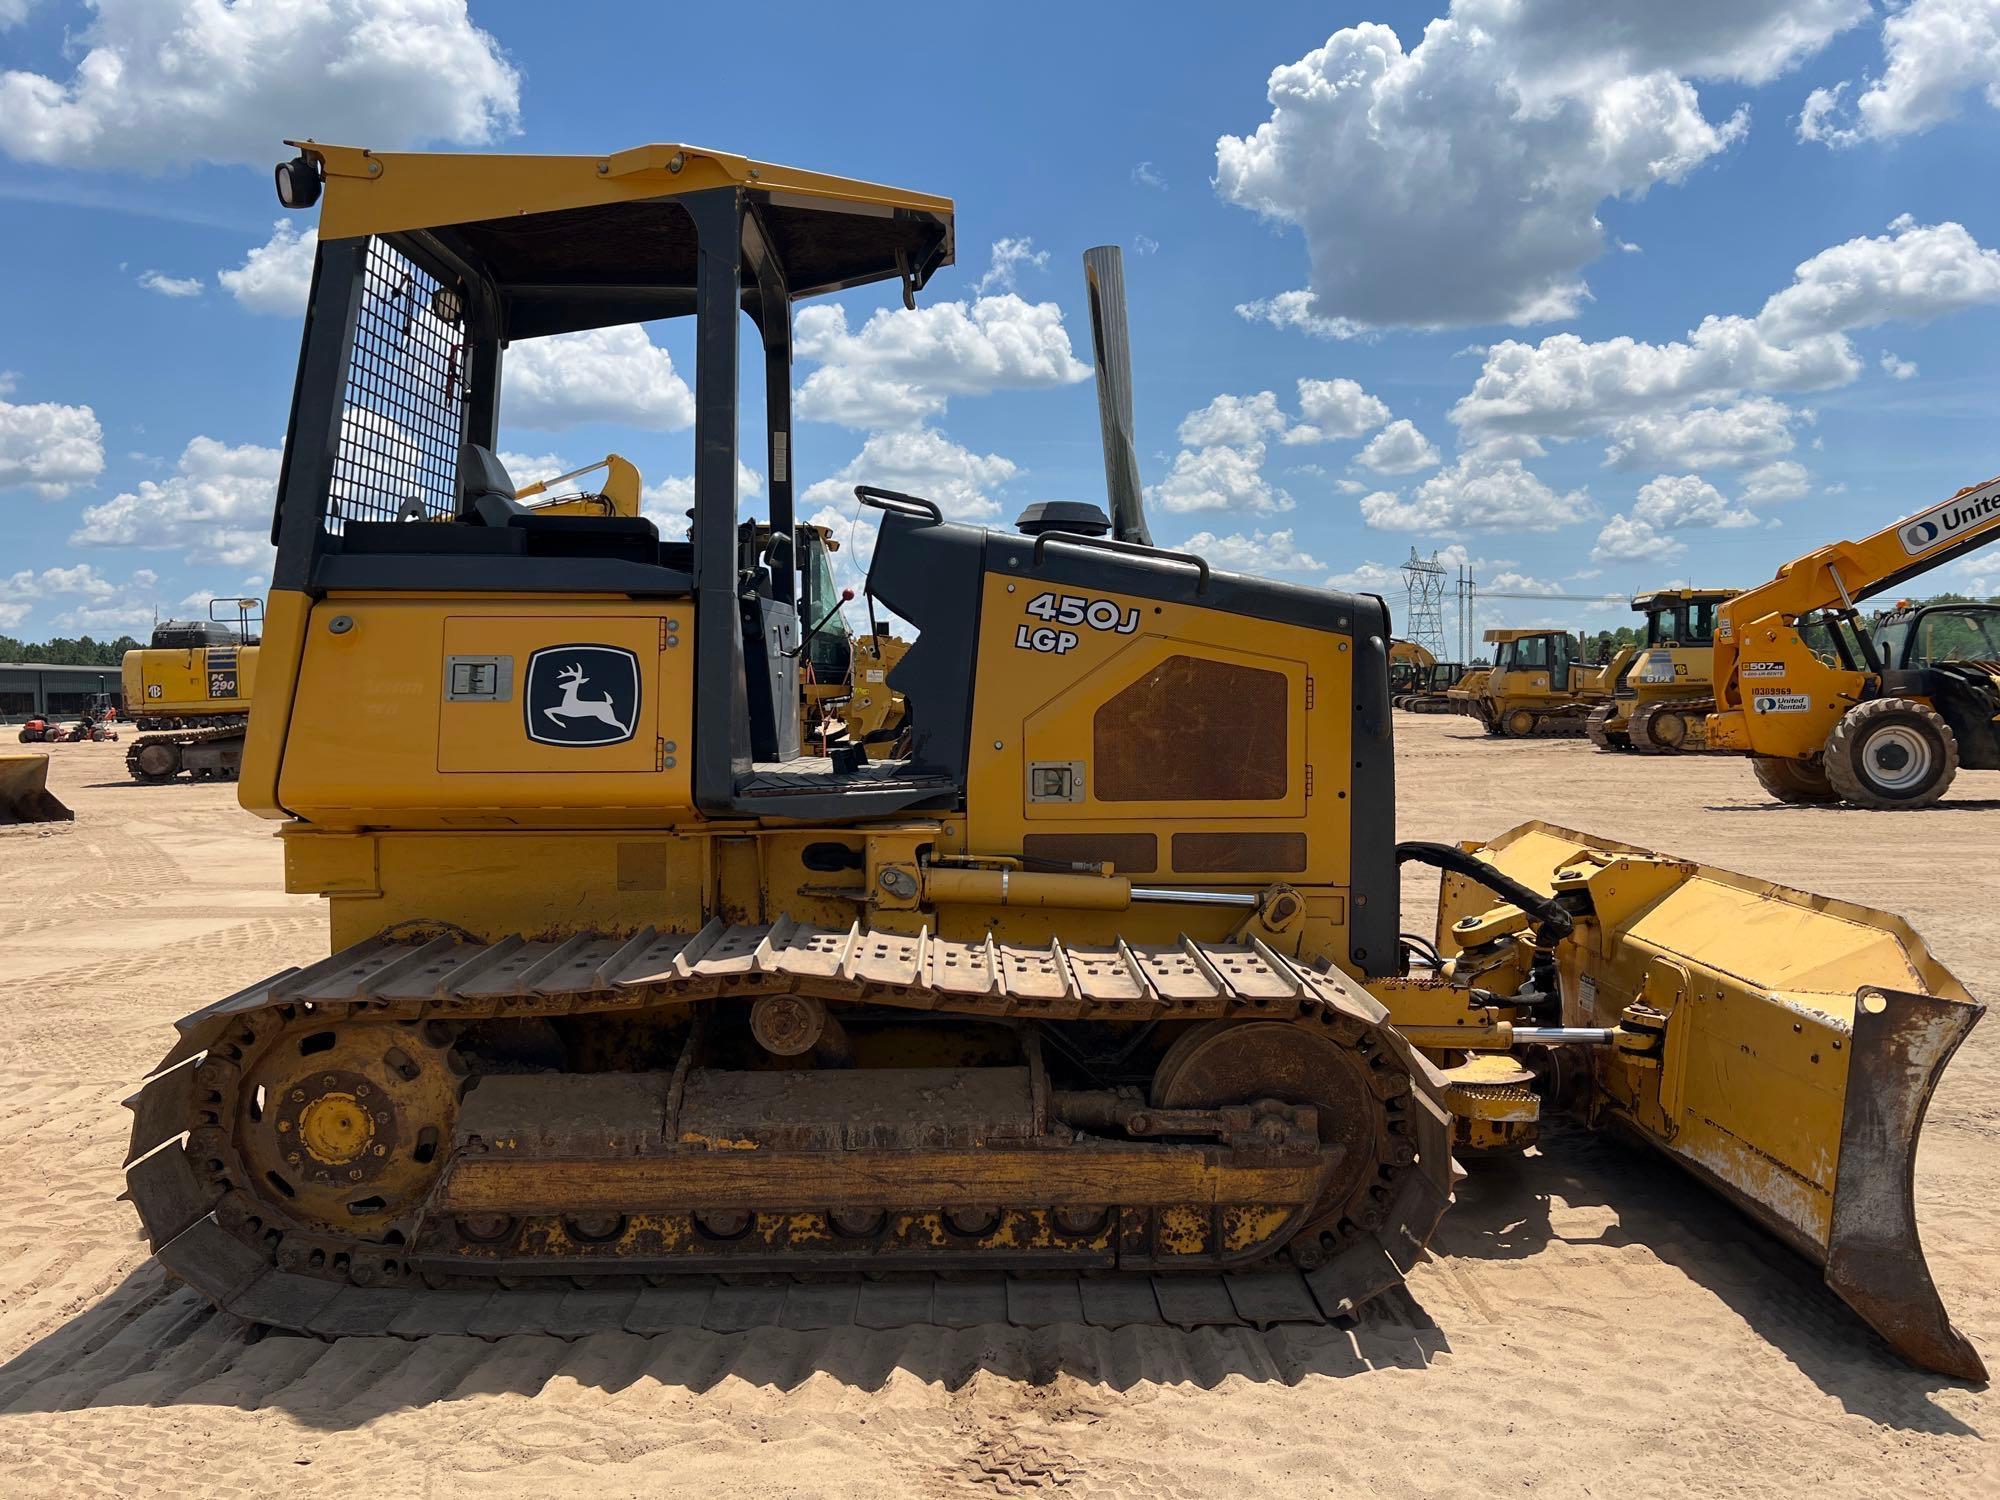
column 1423, row 577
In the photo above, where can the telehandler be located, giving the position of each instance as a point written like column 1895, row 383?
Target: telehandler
column 1663, row 690
column 1100, row 983
column 1832, row 711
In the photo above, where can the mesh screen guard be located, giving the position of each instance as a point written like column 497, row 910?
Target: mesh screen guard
column 403, row 409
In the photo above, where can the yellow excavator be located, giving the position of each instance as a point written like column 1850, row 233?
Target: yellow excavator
column 1409, row 667
column 1662, row 690
column 188, row 691
column 1099, row 984
column 1832, row 710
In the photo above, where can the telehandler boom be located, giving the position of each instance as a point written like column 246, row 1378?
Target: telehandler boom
column 1101, row 976
column 1830, row 712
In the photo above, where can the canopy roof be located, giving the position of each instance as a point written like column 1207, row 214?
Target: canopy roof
column 1658, row 598
column 584, row 241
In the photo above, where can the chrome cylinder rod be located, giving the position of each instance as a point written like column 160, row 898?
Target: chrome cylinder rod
column 1195, row 898
column 1573, row 1036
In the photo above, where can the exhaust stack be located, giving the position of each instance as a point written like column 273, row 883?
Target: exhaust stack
column 1104, row 274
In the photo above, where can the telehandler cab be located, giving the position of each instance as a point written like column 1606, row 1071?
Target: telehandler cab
column 1101, row 977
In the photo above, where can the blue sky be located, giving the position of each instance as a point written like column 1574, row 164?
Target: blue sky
column 1592, row 295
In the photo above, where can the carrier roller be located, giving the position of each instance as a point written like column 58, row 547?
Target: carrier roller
column 1781, row 1046
column 418, row 1126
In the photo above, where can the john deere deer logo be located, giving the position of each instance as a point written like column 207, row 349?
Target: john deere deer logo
column 582, row 695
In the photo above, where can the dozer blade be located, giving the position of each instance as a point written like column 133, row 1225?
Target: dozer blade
column 1780, row 1045
column 24, row 790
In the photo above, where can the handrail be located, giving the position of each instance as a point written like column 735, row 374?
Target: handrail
column 896, row 500
column 1130, row 549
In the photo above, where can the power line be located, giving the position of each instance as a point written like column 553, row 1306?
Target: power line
column 1561, row 598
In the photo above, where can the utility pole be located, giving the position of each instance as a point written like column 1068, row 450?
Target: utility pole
column 1466, row 595
column 1423, row 579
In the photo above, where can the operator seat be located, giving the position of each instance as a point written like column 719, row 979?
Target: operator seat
column 486, row 498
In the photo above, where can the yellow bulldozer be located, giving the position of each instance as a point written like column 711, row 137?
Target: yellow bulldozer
column 1539, row 685
column 188, row 691
column 1100, row 983
column 1832, row 710
column 1662, row 690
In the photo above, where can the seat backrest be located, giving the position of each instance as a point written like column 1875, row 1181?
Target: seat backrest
column 486, row 490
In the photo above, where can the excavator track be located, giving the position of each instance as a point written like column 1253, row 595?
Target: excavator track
column 205, row 754
column 618, row 1213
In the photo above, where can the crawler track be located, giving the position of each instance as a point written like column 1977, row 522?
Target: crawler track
column 194, row 1166
column 203, row 754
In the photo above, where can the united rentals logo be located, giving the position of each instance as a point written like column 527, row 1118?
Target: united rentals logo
column 581, row 696
column 1954, row 518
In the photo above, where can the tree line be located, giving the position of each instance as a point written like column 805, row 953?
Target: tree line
column 63, row 651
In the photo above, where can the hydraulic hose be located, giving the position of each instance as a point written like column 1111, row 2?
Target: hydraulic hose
column 1551, row 919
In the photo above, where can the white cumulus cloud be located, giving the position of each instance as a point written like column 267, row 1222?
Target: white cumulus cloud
column 45, row 446
column 920, row 462
column 1783, row 480
column 158, row 84
column 1337, row 409
column 215, row 507
column 616, row 375
column 1937, row 51
column 1477, row 493
column 1630, row 539
column 1398, row 448
column 1459, row 182
column 903, row 365
column 1259, row 552
column 1703, row 437
column 1896, row 368
column 1219, row 478
column 276, row 275
column 1566, row 386
column 1670, row 502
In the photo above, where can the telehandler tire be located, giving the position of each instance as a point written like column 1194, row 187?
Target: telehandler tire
column 1793, row 781
column 1891, row 753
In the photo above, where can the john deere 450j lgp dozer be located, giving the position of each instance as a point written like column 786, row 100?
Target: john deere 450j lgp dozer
column 1102, row 977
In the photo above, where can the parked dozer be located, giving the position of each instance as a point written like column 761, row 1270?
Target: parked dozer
column 1099, row 981
column 188, row 691
column 1538, row 685
column 1432, row 692
column 24, row 790
column 1833, row 711
column 1467, row 695
column 1663, row 690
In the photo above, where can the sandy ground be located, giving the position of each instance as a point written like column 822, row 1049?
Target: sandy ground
column 1590, row 1325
